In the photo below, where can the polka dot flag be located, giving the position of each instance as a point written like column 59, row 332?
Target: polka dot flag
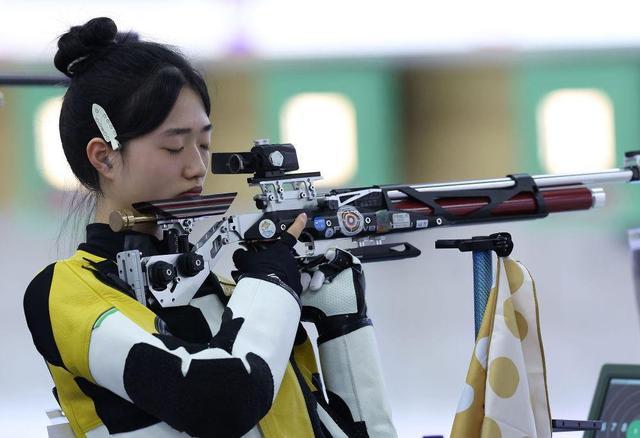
column 505, row 394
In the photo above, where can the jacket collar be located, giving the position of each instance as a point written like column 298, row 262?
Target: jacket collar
column 104, row 242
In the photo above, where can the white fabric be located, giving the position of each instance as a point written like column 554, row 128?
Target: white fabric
column 211, row 308
column 335, row 298
column 351, row 369
column 526, row 411
column 271, row 321
column 110, row 345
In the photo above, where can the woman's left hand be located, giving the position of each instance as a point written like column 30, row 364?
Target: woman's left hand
column 275, row 260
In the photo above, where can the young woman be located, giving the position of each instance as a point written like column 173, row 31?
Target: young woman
column 235, row 361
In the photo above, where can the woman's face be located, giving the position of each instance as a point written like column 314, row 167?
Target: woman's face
column 170, row 161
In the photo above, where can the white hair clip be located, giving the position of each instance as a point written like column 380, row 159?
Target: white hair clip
column 105, row 126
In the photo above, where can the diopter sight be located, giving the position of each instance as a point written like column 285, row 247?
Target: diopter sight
column 265, row 160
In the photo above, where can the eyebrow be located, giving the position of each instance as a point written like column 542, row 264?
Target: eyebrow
column 183, row 131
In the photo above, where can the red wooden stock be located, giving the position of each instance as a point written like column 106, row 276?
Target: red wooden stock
column 555, row 200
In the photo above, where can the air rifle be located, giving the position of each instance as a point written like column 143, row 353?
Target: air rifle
column 365, row 214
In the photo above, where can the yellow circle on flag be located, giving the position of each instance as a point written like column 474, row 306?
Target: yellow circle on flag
column 515, row 321
column 490, row 429
column 514, row 275
column 503, row 377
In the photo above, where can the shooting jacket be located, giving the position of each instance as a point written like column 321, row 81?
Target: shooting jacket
column 235, row 362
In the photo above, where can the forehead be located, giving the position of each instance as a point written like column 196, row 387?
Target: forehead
column 187, row 112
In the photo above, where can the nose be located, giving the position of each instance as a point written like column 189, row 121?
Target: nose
column 195, row 166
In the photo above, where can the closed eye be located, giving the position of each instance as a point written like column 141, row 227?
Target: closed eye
column 204, row 147
column 174, row 151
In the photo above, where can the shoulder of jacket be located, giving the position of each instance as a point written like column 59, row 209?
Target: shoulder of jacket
column 41, row 283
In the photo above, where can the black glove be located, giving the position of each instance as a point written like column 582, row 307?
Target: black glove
column 275, row 263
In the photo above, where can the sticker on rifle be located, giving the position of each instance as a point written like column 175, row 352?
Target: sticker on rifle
column 350, row 220
column 422, row 223
column 383, row 221
column 319, row 224
column 400, row 220
column 267, row 228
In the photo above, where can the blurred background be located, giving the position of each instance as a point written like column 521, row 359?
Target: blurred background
column 371, row 93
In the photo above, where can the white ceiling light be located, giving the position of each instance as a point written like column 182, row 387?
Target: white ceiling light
column 576, row 131
column 322, row 127
column 50, row 159
column 215, row 29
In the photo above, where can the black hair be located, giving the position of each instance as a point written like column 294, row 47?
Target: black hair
column 136, row 82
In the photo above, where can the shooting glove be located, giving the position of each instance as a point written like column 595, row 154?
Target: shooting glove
column 333, row 295
column 274, row 263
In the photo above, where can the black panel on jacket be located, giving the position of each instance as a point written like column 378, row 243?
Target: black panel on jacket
column 117, row 414
column 311, row 403
column 301, row 335
column 173, row 343
column 106, row 271
column 185, row 322
column 224, row 339
column 210, row 286
column 229, row 328
column 339, row 411
column 36, row 311
column 217, row 397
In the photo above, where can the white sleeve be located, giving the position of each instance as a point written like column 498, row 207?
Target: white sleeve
column 222, row 388
column 351, row 370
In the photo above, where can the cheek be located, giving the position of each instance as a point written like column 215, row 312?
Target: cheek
column 152, row 174
column 152, row 163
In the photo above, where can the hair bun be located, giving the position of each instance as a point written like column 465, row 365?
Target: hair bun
column 83, row 41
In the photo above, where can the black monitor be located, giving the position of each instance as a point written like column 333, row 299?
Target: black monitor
column 616, row 402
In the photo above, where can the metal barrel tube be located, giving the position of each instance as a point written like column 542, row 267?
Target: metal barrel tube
column 593, row 178
column 16, row 80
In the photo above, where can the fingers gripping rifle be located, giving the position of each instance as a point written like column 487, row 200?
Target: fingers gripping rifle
column 365, row 215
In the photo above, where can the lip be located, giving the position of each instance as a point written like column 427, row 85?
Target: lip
column 195, row 191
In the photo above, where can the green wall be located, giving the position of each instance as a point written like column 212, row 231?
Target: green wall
column 619, row 79
column 373, row 90
column 35, row 203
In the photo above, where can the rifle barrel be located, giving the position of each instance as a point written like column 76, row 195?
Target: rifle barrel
column 542, row 181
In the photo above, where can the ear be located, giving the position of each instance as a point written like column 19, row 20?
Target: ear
column 100, row 156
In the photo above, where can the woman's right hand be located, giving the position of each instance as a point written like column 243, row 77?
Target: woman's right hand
column 276, row 260
column 333, row 296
